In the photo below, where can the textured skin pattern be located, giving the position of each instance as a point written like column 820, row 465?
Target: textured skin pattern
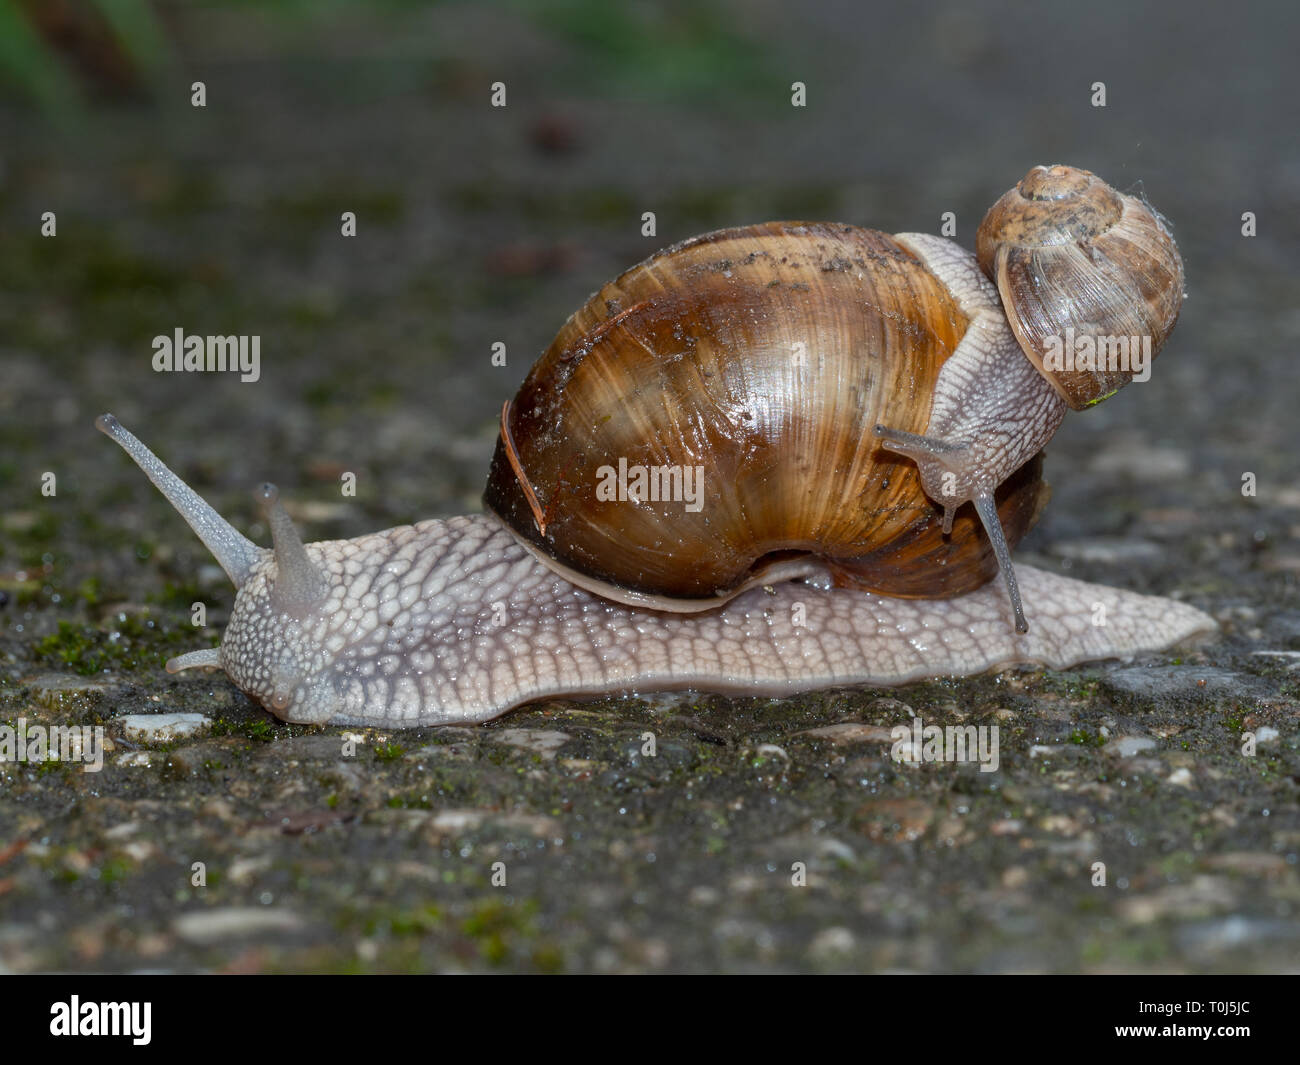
column 450, row 621
column 988, row 398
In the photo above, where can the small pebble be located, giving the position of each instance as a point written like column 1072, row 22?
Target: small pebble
column 831, row 944
column 456, row 822
column 543, row 742
column 848, row 732
column 1233, row 933
column 217, row 926
column 771, row 750
column 1252, row 863
column 1201, row 683
column 1139, row 460
column 1108, row 550
column 162, row 728
column 1128, row 746
column 140, row 850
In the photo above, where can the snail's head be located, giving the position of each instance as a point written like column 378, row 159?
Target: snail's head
column 274, row 649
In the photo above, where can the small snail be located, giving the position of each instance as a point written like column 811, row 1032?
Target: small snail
column 742, row 467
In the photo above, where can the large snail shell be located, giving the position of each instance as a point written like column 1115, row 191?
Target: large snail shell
column 762, row 356
column 1073, row 258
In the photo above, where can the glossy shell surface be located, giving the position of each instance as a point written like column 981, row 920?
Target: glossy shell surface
column 745, row 370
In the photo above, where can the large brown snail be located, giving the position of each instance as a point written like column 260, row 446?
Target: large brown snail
column 743, row 466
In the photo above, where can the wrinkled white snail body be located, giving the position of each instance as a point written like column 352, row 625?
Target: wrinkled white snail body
column 832, row 397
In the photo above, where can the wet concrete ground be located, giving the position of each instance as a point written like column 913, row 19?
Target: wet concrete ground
column 761, row 834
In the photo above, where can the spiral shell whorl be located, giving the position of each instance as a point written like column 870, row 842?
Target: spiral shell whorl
column 1082, row 268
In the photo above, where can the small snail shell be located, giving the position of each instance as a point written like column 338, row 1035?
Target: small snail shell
column 844, row 392
column 1069, row 253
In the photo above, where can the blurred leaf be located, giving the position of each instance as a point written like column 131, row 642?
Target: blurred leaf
column 31, row 65
column 138, row 30
column 115, row 46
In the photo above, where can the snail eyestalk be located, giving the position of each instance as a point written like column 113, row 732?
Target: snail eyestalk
column 235, row 552
column 913, row 443
column 298, row 583
column 919, row 447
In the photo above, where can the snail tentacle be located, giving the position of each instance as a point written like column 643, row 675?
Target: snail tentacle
column 988, row 512
column 235, row 553
column 299, row 585
column 954, row 458
column 194, row 659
